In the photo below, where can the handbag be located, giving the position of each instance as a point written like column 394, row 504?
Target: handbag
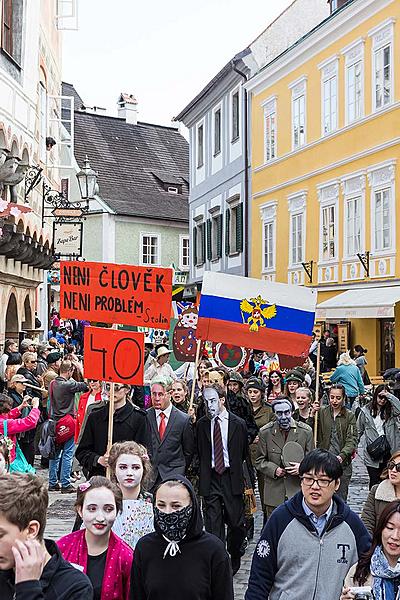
column 379, row 449
column 47, row 442
column 19, row 464
column 65, row 429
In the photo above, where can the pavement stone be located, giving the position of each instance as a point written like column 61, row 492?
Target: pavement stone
column 61, row 517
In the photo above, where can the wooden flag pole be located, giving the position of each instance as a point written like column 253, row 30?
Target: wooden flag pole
column 110, row 419
column 317, row 392
column 196, row 363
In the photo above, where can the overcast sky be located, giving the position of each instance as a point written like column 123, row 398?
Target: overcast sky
column 162, row 51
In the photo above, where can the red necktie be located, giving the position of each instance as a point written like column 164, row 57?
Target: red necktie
column 219, row 464
column 162, row 426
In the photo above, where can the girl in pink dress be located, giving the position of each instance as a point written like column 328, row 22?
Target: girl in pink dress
column 96, row 550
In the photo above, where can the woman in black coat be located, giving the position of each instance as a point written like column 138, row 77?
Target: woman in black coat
column 180, row 559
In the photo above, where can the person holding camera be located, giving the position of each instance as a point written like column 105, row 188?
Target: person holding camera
column 18, row 393
column 377, row 573
column 16, row 423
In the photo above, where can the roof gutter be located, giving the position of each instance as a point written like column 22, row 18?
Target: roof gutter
column 246, row 169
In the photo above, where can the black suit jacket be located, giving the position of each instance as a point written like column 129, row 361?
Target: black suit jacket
column 174, row 453
column 237, row 449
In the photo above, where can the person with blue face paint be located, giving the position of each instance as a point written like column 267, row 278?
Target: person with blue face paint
column 281, row 479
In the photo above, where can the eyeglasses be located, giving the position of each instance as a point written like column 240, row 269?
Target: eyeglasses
column 322, row 483
column 33, row 361
column 393, row 466
column 116, row 387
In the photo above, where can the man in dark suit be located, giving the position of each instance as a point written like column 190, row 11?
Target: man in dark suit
column 172, row 434
column 222, row 447
column 129, row 424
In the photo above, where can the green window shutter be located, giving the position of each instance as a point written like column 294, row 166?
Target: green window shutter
column 227, row 230
column 195, row 246
column 203, row 243
column 209, row 239
column 219, row 236
column 239, row 228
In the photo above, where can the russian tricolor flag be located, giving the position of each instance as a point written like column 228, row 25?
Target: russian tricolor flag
column 275, row 317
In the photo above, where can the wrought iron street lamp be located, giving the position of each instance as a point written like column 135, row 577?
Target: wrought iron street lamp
column 87, row 181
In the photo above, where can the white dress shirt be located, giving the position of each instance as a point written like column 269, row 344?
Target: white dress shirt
column 167, row 413
column 164, row 371
column 223, row 423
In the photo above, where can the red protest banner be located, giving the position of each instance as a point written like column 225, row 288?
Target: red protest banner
column 114, row 355
column 110, row 293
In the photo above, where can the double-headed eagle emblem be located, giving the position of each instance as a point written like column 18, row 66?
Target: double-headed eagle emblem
column 256, row 311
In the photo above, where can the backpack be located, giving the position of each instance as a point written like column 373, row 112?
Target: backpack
column 47, row 442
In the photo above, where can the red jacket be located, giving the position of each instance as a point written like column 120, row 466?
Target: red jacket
column 83, row 400
column 17, row 425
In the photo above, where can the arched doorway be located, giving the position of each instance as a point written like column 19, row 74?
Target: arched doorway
column 12, row 318
column 27, row 323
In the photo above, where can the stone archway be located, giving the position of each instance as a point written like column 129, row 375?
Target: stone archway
column 27, row 323
column 12, row 328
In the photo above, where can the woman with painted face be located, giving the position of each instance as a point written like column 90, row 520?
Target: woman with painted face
column 180, row 559
column 96, row 550
column 381, row 494
column 275, row 385
column 377, row 425
column 378, row 570
column 130, row 469
column 337, row 432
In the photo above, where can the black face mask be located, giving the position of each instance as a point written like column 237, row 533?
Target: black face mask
column 173, row 525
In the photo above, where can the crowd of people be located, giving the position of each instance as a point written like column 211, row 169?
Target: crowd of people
column 168, row 510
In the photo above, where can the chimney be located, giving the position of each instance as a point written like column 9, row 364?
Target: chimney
column 127, row 108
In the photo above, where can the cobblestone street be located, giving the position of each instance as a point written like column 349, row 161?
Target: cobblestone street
column 61, row 518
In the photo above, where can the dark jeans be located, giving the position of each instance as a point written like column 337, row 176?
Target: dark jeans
column 222, row 507
column 28, row 450
column 375, row 474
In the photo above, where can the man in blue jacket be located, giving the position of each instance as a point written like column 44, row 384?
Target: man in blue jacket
column 310, row 542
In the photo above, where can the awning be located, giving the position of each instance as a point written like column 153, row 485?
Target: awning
column 361, row 303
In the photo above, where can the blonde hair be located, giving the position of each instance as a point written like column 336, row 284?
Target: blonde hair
column 345, row 359
column 135, row 449
column 308, row 392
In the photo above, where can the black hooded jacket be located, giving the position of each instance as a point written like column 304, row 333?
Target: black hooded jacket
column 59, row 581
column 200, row 571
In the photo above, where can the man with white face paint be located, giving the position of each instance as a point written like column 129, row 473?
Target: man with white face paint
column 281, row 481
column 222, row 447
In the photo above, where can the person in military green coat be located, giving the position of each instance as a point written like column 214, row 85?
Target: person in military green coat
column 281, row 481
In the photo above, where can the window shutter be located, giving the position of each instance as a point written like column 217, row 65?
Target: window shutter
column 195, row 246
column 239, row 228
column 209, row 239
column 203, row 243
column 227, row 230
column 219, row 236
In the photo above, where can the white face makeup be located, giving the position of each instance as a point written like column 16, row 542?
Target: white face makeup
column 99, row 511
column 129, row 471
column 212, row 402
column 3, row 465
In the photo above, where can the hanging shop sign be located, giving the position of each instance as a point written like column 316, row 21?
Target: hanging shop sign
column 67, row 238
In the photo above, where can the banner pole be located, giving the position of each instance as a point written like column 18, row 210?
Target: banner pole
column 110, row 419
column 196, row 363
column 317, row 391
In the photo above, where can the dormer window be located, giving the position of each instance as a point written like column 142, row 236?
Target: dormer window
column 172, row 189
column 168, row 182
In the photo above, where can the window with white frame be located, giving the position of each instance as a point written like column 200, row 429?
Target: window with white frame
column 217, row 131
column 299, row 114
column 200, row 146
column 150, row 248
column 328, row 233
column 268, row 216
column 383, row 213
column 270, row 130
column 297, row 238
column 353, row 216
column 329, row 97
column 184, row 253
column 297, row 235
column 235, row 116
column 382, row 203
column 382, row 75
column 354, row 92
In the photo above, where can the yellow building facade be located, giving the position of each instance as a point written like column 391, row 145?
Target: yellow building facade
column 325, row 133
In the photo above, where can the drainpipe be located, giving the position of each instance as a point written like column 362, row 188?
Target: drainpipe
column 246, row 172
